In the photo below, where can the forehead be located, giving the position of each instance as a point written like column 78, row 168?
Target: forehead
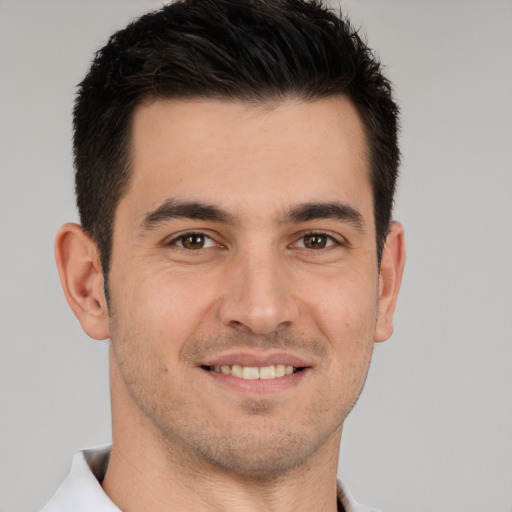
column 248, row 157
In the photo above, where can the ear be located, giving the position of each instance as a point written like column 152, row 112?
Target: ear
column 390, row 277
column 79, row 267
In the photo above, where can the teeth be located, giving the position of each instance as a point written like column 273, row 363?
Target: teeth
column 255, row 372
column 267, row 372
column 237, row 371
column 250, row 373
column 280, row 370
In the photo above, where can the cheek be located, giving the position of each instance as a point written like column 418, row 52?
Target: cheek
column 347, row 316
column 151, row 320
column 345, row 309
column 161, row 304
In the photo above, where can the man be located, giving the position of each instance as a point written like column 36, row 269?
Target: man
column 235, row 168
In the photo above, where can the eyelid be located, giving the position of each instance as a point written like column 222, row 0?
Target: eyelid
column 173, row 239
column 334, row 238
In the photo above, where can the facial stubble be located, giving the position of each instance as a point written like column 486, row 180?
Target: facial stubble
column 256, row 440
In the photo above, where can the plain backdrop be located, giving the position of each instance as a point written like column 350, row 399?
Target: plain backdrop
column 433, row 428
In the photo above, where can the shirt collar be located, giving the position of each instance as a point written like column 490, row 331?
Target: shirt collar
column 81, row 490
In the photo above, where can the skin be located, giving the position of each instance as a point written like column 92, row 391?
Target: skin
column 257, row 282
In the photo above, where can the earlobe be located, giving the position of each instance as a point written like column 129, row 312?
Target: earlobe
column 390, row 278
column 80, row 274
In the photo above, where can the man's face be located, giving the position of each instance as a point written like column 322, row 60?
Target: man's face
column 244, row 248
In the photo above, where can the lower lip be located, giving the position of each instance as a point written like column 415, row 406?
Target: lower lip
column 258, row 386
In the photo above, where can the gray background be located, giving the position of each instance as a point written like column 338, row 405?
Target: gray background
column 433, row 429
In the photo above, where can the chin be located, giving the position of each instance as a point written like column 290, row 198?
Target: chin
column 258, row 454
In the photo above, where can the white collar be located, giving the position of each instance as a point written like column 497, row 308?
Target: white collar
column 81, row 490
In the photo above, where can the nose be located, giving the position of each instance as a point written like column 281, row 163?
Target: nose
column 259, row 294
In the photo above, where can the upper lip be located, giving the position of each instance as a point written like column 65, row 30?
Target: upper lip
column 256, row 360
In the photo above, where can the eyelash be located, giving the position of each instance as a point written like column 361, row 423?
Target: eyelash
column 331, row 240
column 174, row 241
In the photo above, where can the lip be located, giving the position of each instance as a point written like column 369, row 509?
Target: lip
column 257, row 387
column 259, row 360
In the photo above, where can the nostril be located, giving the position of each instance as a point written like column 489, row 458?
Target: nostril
column 239, row 326
column 259, row 315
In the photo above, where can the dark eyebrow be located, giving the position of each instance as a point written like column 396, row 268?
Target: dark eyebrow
column 173, row 209
column 338, row 211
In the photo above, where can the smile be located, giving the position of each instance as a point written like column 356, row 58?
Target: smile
column 255, row 372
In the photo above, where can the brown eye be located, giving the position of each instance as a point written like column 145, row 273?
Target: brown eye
column 316, row 241
column 194, row 241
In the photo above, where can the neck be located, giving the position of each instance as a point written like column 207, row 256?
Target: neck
column 148, row 476
column 139, row 483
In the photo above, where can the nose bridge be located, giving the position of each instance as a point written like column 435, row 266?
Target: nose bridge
column 258, row 295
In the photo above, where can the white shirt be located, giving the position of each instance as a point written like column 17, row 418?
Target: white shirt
column 81, row 490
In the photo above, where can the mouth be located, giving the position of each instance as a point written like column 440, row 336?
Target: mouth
column 257, row 374
column 274, row 371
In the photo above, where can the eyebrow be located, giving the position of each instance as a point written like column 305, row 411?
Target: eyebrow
column 173, row 209
column 337, row 211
